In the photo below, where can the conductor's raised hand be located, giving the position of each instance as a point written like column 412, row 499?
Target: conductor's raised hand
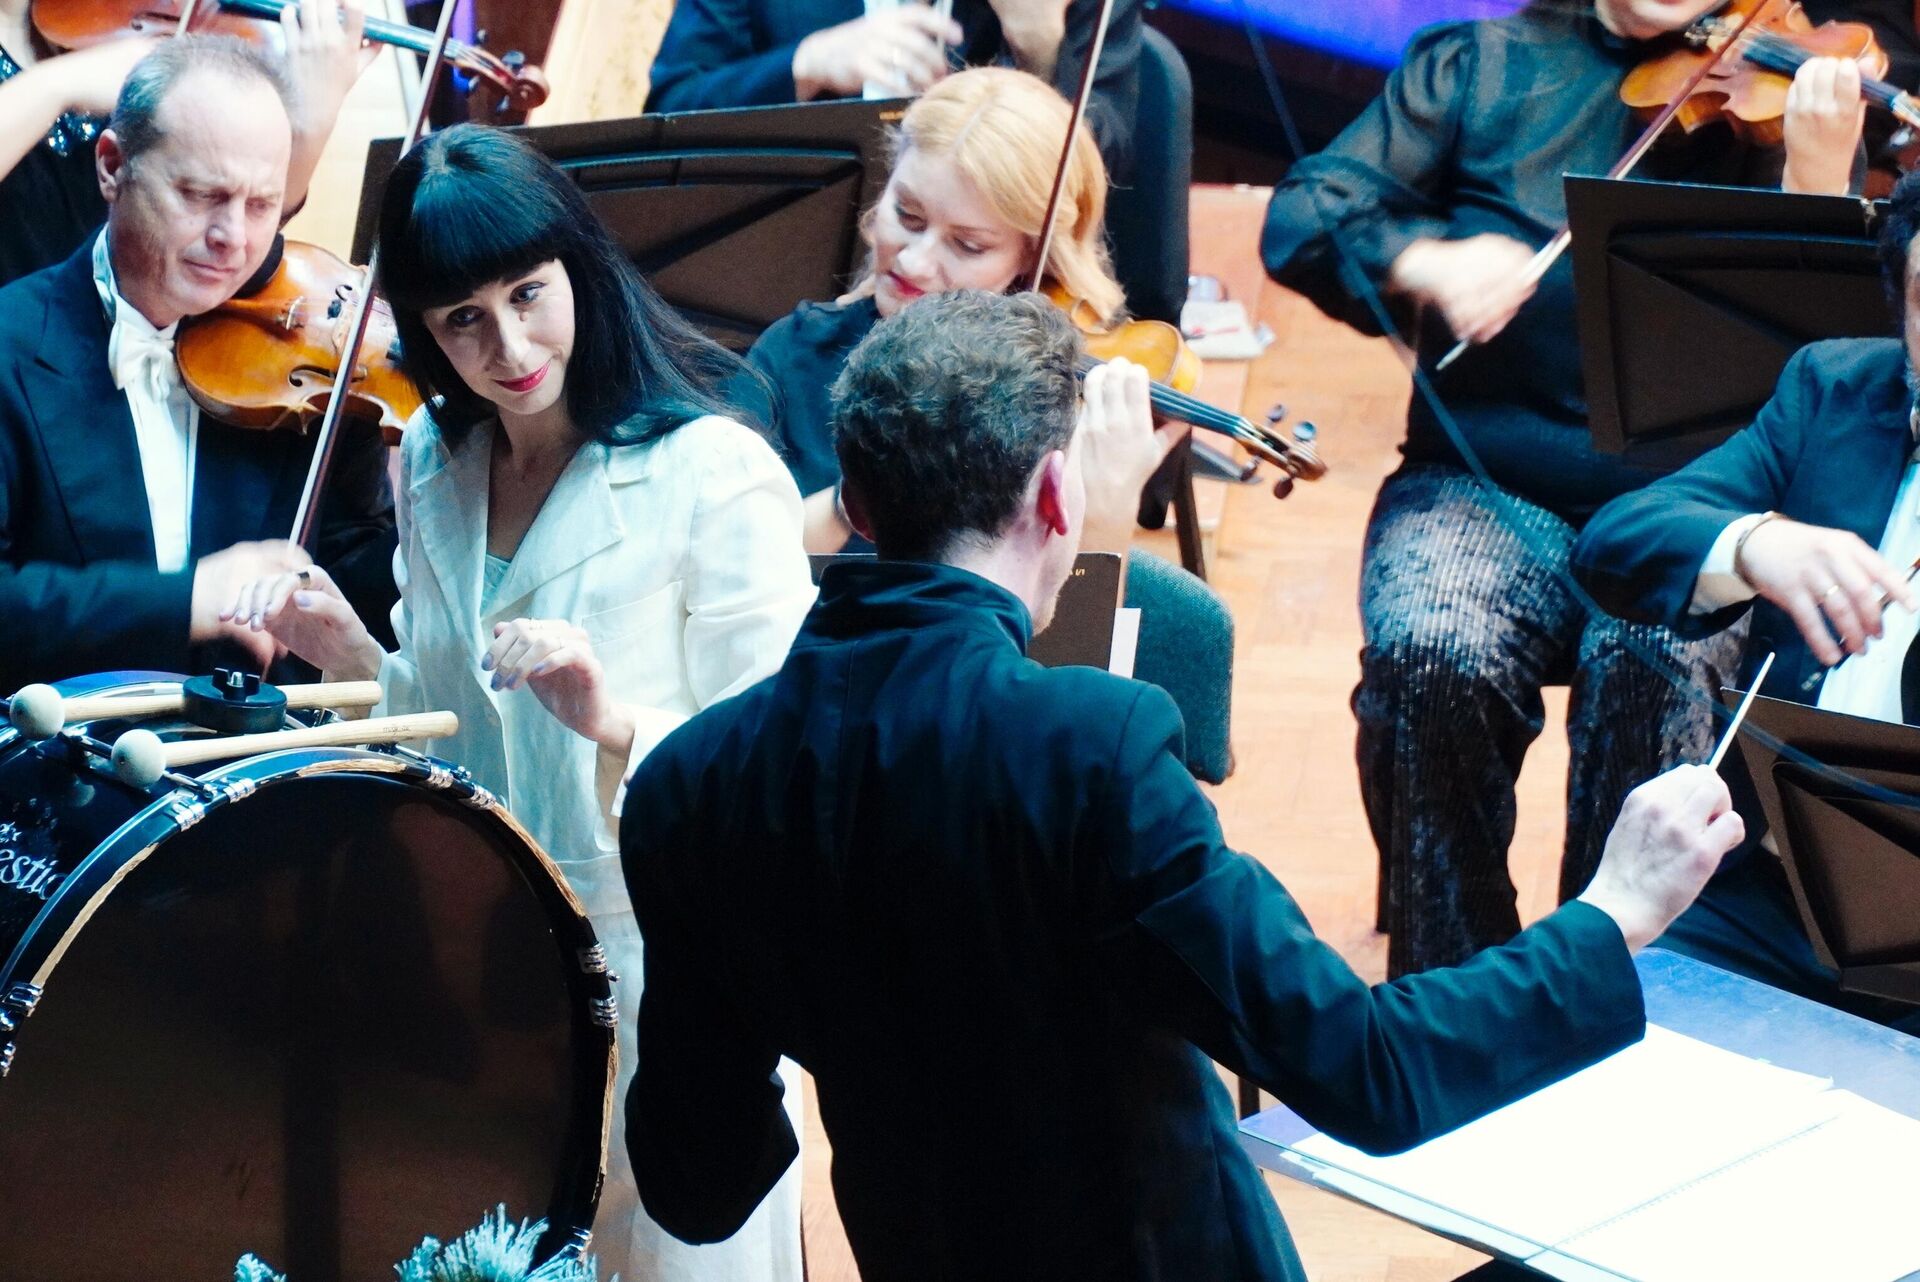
column 554, row 659
column 1672, row 833
column 304, row 610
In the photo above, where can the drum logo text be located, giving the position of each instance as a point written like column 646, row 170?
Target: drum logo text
column 25, row 873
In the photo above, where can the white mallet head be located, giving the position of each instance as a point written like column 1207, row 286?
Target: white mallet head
column 37, row 711
column 139, row 758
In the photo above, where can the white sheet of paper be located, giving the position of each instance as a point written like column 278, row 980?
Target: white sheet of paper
column 1222, row 331
column 1839, row 1203
column 1659, row 1114
column 1126, row 641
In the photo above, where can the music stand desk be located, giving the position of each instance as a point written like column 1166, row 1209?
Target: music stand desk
column 1692, row 298
column 1686, row 996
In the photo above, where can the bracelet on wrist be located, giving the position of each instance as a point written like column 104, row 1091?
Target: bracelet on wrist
column 1740, row 547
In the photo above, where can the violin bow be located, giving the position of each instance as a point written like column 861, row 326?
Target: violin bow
column 306, row 516
column 1066, row 153
column 1549, row 254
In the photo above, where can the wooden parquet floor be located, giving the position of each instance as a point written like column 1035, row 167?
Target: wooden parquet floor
column 1290, row 572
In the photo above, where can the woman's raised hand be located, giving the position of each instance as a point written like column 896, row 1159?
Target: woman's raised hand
column 554, row 659
column 304, row 610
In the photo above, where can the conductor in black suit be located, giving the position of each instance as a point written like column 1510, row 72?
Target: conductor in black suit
column 984, row 904
column 751, row 53
column 1810, row 519
column 128, row 518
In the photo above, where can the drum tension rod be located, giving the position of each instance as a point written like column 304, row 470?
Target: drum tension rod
column 16, row 1005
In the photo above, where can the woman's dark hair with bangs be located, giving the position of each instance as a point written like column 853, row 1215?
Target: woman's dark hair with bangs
column 472, row 205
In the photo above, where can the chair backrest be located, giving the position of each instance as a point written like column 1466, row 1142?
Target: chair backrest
column 1147, row 218
column 1186, row 648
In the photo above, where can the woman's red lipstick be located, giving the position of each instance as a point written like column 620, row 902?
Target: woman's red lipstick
column 528, row 383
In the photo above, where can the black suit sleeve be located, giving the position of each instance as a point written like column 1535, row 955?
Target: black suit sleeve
column 68, row 619
column 1219, row 952
column 707, row 1132
column 1641, row 554
column 709, row 57
column 1376, row 188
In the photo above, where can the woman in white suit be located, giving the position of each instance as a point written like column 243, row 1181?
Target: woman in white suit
column 590, row 552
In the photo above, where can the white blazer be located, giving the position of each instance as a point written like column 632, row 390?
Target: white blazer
column 681, row 559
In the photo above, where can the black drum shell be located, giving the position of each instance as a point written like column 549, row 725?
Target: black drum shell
column 332, row 1002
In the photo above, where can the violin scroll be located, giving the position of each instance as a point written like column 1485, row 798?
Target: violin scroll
column 78, row 24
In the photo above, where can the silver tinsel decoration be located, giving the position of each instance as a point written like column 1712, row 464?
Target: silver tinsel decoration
column 496, row 1250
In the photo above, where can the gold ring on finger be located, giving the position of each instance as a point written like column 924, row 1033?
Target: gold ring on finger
column 1828, row 594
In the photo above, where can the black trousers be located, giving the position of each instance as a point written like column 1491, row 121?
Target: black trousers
column 1466, row 618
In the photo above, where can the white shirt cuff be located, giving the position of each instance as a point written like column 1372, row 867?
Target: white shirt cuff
column 1717, row 586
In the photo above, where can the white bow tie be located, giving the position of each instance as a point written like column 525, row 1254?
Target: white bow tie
column 142, row 359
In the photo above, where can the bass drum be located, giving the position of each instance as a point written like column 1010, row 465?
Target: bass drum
column 315, row 1005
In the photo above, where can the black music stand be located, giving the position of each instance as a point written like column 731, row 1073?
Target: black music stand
column 1693, row 297
column 736, row 216
column 1853, row 859
column 1081, row 634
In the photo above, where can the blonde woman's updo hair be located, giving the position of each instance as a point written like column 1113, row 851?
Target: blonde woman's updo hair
column 1003, row 129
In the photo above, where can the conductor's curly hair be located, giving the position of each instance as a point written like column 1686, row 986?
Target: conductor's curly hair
column 944, row 410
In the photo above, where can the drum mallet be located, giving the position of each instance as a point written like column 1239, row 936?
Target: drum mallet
column 141, row 757
column 39, row 712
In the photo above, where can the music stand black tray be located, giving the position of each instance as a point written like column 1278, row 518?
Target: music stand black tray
column 1081, row 634
column 1691, row 299
column 735, row 216
column 1853, row 859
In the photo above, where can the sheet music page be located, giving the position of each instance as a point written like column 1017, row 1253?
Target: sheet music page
column 1657, row 1115
column 1839, row 1203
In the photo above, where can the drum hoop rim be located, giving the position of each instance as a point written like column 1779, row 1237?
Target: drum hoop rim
column 181, row 809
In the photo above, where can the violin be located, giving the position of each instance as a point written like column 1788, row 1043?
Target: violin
column 270, row 359
column 1174, row 370
column 1737, row 67
column 1746, row 84
column 76, row 24
column 1156, row 345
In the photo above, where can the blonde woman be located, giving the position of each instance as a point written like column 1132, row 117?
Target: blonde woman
column 974, row 161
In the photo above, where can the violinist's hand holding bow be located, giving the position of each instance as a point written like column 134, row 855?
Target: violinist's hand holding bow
column 1828, row 581
column 302, row 608
column 1478, row 284
column 1824, row 117
column 215, row 579
column 554, row 659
